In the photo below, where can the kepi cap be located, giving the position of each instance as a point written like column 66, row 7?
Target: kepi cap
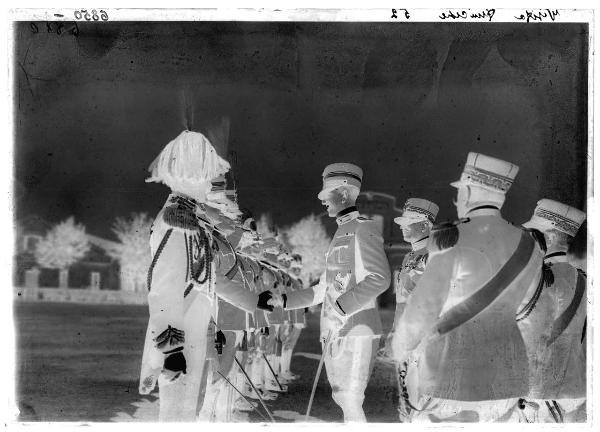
column 340, row 174
column 417, row 210
column 550, row 214
column 487, row 172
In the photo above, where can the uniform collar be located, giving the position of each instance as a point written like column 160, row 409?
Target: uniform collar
column 186, row 201
column 420, row 244
column 556, row 257
column 484, row 210
column 196, row 207
column 347, row 215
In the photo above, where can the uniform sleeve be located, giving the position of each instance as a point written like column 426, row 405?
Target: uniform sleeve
column 425, row 304
column 235, row 293
column 307, row 297
column 372, row 270
column 405, row 288
column 167, row 283
column 403, row 282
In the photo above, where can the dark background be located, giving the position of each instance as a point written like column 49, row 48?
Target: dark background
column 406, row 102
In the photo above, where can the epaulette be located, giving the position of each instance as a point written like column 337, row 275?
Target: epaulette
column 181, row 217
column 445, row 234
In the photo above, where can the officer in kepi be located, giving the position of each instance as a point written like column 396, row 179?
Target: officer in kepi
column 458, row 333
column 357, row 272
column 418, row 216
column 553, row 321
column 416, row 221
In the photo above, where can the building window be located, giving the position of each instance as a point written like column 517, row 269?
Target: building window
column 30, row 242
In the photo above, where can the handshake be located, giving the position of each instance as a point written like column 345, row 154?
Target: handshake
column 268, row 300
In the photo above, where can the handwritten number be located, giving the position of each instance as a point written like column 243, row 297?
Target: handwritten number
column 59, row 28
column 34, row 28
column 395, row 12
column 95, row 15
column 49, row 28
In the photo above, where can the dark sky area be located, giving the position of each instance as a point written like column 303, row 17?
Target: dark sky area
column 405, row 101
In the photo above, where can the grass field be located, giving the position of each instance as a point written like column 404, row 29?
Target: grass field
column 79, row 362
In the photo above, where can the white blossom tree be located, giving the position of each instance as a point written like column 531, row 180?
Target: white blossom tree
column 133, row 251
column 308, row 238
column 64, row 245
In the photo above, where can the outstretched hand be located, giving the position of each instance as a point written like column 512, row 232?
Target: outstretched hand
column 276, row 300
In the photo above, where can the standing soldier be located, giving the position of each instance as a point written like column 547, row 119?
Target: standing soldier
column 357, row 271
column 176, row 344
column 416, row 221
column 181, row 296
column 458, row 329
column 552, row 322
column 298, row 322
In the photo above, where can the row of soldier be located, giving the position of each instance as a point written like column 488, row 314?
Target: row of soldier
column 490, row 318
column 213, row 342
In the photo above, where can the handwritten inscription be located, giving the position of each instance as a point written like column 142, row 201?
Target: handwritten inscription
column 466, row 13
column 396, row 11
column 58, row 28
column 93, row 15
column 538, row 15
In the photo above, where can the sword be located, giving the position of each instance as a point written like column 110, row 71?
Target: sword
column 242, row 395
column 262, row 402
column 272, row 371
column 321, row 361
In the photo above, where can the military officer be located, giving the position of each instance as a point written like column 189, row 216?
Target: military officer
column 297, row 322
column 357, row 272
column 418, row 216
column 552, row 321
column 458, row 332
column 416, row 221
column 181, row 293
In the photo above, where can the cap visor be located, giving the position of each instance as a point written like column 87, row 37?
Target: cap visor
column 457, row 184
column 325, row 192
column 540, row 226
column 403, row 221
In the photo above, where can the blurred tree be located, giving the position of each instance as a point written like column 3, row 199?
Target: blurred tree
column 308, row 238
column 64, row 245
column 133, row 251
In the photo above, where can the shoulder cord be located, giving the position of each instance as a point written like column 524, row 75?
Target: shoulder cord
column 161, row 246
column 546, row 279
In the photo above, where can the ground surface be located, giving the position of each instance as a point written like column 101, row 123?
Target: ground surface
column 81, row 363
